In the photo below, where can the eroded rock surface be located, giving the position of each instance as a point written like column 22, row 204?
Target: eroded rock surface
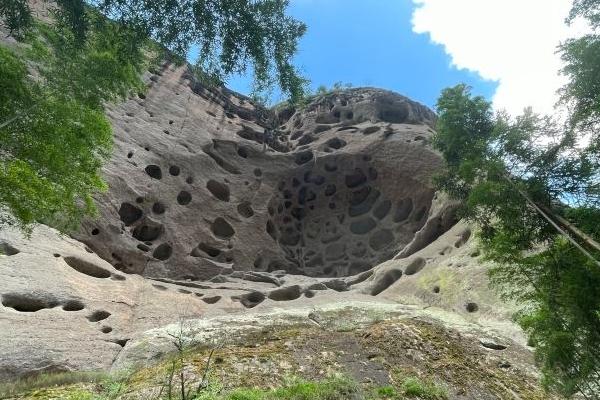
column 220, row 208
column 338, row 187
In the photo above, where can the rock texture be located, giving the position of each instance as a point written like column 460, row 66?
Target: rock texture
column 204, row 183
column 220, row 208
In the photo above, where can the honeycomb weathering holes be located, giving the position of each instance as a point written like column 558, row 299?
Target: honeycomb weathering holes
column 329, row 223
column 184, row 197
column 154, row 171
column 218, row 189
column 87, row 268
column 129, row 213
column 222, row 228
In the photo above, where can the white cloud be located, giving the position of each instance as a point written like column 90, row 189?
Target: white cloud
column 510, row 41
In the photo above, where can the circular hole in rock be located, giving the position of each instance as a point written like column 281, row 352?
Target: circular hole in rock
column 56, row 255
column 285, row 294
column 252, row 299
column 242, row 152
column 471, row 307
column 174, row 170
column 383, row 209
column 8, row 250
column 154, row 171
column 363, row 226
column 211, row 299
column 73, row 305
column 381, row 239
column 336, row 143
column 158, row 208
column 130, row 154
column 355, row 179
column 148, row 231
column 130, row 213
column 303, row 157
column 86, row 267
column 163, row 252
column 184, row 198
column 95, row 231
column 208, row 249
column 257, row 172
column 222, row 228
column 403, row 210
column 371, row 129
column 382, row 282
column 26, row 302
column 415, row 266
column 189, row 180
column 218, row 189
column 98, row 315
column 106, row 329
column 245, row 209
column 436, row 289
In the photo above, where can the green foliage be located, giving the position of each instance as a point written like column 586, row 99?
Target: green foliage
column 16, row 16
column 103, row 68
column 494, row 164
column 53, row 133
column 50, row 154
column 333, row 388
column 46, row 380
column 415, row 387
column 65, row 385
column 232, row 36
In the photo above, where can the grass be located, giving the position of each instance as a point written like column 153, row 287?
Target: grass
column 333, row 388
column 47, row 380
column 65, row 385
column 423, row 389
column 100, row 386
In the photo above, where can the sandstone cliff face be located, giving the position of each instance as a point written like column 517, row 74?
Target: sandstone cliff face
column 340, row 186
column 218, row 208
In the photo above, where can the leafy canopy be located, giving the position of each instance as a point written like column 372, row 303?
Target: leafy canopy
column 54, row 136
column 50, row 155
column 507, row 171
column 231, row 36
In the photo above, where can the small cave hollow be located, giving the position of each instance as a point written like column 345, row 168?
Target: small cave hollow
column 218, row 189
column 184, row 198
column 87, row 268
column 27, row 302
column 163, row 252
column 8, row 250
column 222, row 229
column 129, row 213
column 154, row 171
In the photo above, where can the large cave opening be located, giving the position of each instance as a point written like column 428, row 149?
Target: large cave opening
column 339, row 216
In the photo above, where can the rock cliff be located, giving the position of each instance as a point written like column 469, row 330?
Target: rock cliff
column 219, row 208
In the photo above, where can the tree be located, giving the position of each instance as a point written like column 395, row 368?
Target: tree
column 54, row 136
column 532, row 185
column 50, row 154
column 232, row 36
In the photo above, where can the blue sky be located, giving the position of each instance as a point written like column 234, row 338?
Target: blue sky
column 372, row 45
